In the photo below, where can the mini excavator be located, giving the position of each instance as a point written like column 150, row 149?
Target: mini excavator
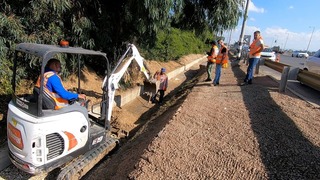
column 41, row 139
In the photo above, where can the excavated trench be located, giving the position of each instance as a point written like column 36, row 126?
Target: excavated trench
column 172, row 103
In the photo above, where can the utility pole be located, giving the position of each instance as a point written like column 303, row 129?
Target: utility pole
column 310, row 39
column 230, row 38
column 242, row 30
column 274, row 40
column 284, row 47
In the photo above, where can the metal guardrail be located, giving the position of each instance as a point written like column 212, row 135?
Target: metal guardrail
column 275, row 65
column 310, row 79
column 305, row 77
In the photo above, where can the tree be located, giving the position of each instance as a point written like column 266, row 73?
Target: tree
column 135, row 21
column 107, row 25
column 215, row 15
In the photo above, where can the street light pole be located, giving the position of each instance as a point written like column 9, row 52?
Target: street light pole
column 274, row 40
column 230, row 38
column 242, row 29
column 310, row 38
column 284, row 47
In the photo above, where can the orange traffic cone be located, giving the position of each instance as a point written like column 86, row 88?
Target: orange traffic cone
column 278, row 58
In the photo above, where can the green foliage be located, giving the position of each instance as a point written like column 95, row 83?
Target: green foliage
column 5, row 74
column 217, row 15
column 108, row 25
column 171, row 45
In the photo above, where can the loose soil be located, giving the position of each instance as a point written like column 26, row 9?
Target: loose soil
column 217, row 132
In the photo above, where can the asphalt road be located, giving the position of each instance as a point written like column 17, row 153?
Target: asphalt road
column 292, row 61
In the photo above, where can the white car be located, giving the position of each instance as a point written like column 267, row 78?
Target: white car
column 313, row 63
column 300, row 54
column 268, row 53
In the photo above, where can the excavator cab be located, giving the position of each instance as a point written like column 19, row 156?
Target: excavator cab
column 41, row 138
column 47, row 101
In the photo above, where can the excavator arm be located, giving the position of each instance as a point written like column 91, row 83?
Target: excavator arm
column 111, row 82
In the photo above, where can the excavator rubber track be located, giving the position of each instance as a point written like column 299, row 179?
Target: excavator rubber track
column 79, row 167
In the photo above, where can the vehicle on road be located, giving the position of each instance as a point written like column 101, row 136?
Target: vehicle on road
column 269, row 54
column 73, row 138
column 312, row 64
column 299, row 54
column 276, row 49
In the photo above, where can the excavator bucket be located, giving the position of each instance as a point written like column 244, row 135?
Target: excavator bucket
column 150, row 89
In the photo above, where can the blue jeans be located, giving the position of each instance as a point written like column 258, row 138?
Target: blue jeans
column 218, row 74
column 252, row 64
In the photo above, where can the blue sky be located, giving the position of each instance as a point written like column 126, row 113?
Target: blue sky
column 288, row 22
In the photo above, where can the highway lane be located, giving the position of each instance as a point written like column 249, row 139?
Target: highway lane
column 292, row 61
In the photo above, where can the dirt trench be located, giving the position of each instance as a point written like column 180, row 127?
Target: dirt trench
column 222, row 132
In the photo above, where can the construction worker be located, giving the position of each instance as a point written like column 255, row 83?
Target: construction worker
column 211, row 59
column 221, row 59
column 53, row 85
column 162, row 79
column 254, row 56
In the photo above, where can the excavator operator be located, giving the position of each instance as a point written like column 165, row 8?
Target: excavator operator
column 54, row 88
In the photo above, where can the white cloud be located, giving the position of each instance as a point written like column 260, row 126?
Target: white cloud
column 253, row 8
column 292, row 40
column 252, row 19
column 291, row 7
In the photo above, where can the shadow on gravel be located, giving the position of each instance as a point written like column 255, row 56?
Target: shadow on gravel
column 172, row 101
column 4, row 101
column 308, row 93
column 151, row 123
column 285, row 152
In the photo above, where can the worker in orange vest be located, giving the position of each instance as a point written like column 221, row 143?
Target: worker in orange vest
column 211, row 59
column 221, row 59
column 53, row 85
column 254, row 56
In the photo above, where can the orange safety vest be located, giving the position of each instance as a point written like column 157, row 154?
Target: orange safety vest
column 60, row 102
column 211, row 58
column 220, row 59
column 254, row 47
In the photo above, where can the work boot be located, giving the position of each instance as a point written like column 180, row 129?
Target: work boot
column 244, row 83
column 153, row 99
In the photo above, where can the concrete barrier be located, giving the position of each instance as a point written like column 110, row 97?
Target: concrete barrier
column 133, row 93
column 130, row 95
